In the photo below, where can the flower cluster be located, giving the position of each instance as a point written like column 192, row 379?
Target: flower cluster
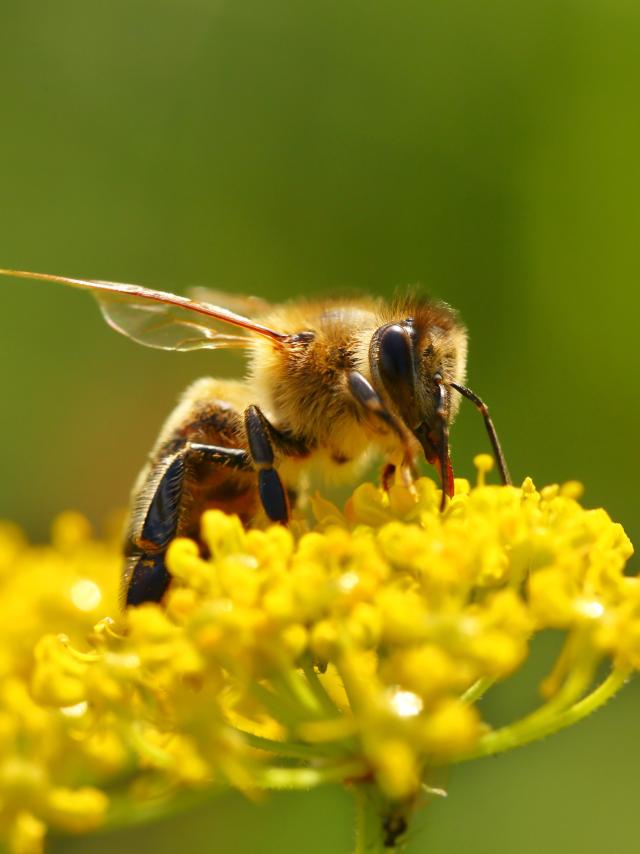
column 353, row 651
column 65, row 587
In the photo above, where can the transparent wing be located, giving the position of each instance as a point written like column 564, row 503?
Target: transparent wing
column 248, row 305
column 164, row 326
column 163, row 320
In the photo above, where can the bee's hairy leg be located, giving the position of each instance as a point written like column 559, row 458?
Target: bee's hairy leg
column 262, row 437
column 148, row 577
column 365, row 394
column 235, row 458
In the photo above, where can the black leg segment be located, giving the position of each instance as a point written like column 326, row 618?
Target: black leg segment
column 443, row 443
column 272, row 495
column 369, row 399
column 260, row 436
column 234, row 458
column 149, row 578
column 260, row 444
column 162, row 516
column 146, row 575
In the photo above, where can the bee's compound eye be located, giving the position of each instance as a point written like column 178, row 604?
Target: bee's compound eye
column 394, row 355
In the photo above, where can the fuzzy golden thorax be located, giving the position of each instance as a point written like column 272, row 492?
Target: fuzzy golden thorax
column 303, row 386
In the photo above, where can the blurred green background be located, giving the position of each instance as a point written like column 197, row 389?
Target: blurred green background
column 486, row 150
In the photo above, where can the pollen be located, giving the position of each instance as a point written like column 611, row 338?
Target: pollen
column 406, row 704
column 86, row 595
column 590, row 608
column 76, row 711
column 348, row 581
column 352, row 649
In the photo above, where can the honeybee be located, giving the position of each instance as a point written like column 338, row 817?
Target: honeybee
column 328, row 382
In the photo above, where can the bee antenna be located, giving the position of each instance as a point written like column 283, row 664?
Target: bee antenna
column 443, row 443
column 483, row 409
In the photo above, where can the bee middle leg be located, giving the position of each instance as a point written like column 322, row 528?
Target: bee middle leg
column 262, row 436
column 168, row 508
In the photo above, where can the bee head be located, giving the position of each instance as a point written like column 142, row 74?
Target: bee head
column 414, row 361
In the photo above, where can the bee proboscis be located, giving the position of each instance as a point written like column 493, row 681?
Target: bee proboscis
column 328, row 382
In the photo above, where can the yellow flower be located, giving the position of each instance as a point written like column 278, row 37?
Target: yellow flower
column 354, row 651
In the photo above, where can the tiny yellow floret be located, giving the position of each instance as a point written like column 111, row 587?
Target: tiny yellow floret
column 354, row 649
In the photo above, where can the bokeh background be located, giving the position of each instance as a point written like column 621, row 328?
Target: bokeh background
column 488, row 151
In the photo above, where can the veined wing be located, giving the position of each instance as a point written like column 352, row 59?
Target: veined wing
column 163, row 320
column 249, row 306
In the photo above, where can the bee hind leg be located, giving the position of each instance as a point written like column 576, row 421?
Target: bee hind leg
column 149, row 577
column 146, row 575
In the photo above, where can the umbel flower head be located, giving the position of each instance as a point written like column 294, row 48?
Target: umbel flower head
column 353, row 652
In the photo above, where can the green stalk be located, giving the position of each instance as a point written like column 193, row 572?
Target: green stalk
column 539, row 725
column 478, row 690
column 307, row 778
column 291, row 749
column 380, row 825
column 292, row 684
column 319, row 690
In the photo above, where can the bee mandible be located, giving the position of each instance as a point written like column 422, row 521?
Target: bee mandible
column 328, row 382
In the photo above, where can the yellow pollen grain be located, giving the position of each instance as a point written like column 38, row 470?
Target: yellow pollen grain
column 405, row 704
column 86, row 595
column 76, row 711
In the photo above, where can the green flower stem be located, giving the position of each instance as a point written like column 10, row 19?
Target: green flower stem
column 125, row 811
column 319, row 690
column 291, row 749
column 574, row 686
column 537, row 726
column 279, row 707
column 291, row 682
column 368, row 822
column 573, row 671
column 374, row 818
column 352, row 680
column 307, row 778
column 477, row 690
column 159, row 757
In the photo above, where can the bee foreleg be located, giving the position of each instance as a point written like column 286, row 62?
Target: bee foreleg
column 260, row 436
column 366, row 395
column 148, row 577
column 388, row 473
